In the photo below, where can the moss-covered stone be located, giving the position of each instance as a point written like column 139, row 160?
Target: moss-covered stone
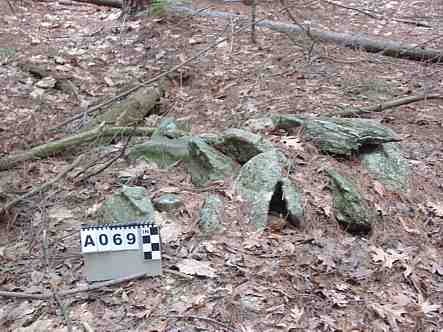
column 163, row 151
column 128, row 205
column 206, row 164
column 211, row 215
column 387, row 165
column 243, row 145
column 351, row 209
column 262, row 184
column 339, row 136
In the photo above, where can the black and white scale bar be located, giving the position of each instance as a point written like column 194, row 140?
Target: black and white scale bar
column 151, row 242
column 102, row 238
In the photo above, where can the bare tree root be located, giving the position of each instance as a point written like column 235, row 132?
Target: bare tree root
column 384, row 106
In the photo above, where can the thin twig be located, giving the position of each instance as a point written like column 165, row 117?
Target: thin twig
column 381, row 17
column 64, row 310
column 10, row 6
column 23, row 295
column 202, row 318
column 45, row 186
column 102, row 285
column 351, row 8
column 145, row 83
column 109, row 163
column 385, row 106
column 178, row 274
column 293, row 19
column 253, row 19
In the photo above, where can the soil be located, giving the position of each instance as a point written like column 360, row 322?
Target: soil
column 315, row 278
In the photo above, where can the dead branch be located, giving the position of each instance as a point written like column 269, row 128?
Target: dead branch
column 43, row 187
column 385, row 106
column 379, row 17
column 351, row 8
column 108, row 164
column 61, row 294
column 253, row 19
column 224, row 327
column 107, row 3
column 354, row 41
column 152, row 80
column 52, row 148
column 10, row 7
column 23, row 295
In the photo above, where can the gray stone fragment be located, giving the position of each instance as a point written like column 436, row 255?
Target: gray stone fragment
column 263, row 186
column 387, row 165
column 211, row 215
column 260, row 124
column 169, row 128
column 168, row 202
column 211, row 138
column 162, row 151
column 128, row 205
column 243, row 145
column 351, row 209
column 339, row 136
column 207, row 164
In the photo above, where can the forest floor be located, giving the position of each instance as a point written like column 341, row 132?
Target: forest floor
column 318, row 278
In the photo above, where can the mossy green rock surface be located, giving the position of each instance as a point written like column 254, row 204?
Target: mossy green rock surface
column 261, row 183
column 206, row 164
column 162, row 151
column 128, row 205
column 211, row 215
column 351, row 210
column 387, row 165
column 168, row 202
column 243, row 145
column 339, row 136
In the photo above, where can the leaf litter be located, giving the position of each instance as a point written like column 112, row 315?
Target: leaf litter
column 250, row 280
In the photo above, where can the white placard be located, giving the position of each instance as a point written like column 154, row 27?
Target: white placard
column 131, row 238
column 88, row 238
column 109, row 238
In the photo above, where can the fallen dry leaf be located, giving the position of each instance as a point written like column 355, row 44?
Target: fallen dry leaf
column 436, row 208
column 391, row 312
column 426, row 307
column 296, row 313
column 198, row 268
column 387, row 258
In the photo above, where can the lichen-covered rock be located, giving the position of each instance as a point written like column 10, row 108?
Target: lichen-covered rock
column 242, row 145
column 339, row 136
column 171, row 128
column 128, row 205
column 262, row 184
column 387, row 165
column 162, row 151
column 168, row 202
column 260, row 124
column 211, row 138
column 351, row 210
column 206, row 164
column 211, row 215
column 292, row 208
